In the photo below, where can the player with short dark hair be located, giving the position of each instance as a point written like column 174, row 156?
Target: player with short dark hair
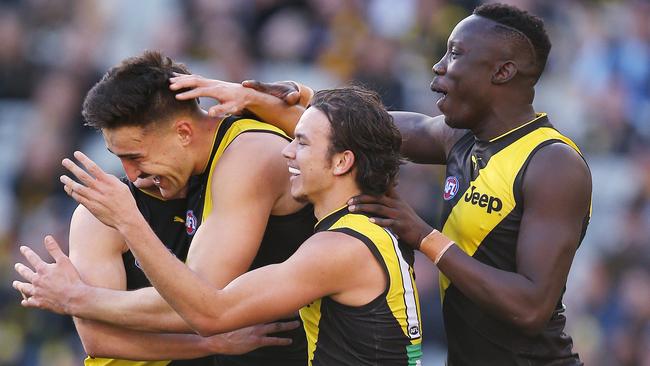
column 237, row 224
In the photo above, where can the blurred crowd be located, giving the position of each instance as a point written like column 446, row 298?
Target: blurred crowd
column 596, row 90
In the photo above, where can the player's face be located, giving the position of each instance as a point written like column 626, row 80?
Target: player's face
column 308, row 158
column 152, row 153
column 463, row 77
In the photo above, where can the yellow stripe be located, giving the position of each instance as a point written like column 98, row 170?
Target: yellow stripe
column 112, row 362
column 310, row 316
column 497, row 180
column 235, row 130
column 537, row 116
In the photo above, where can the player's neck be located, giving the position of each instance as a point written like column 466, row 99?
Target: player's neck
column 503, row 120
column 207, row 131
column 334, row 198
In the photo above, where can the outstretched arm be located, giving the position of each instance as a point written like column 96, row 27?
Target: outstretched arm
column 96, row 251
column 234, row 98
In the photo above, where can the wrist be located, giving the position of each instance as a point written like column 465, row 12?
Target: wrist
column 435, row 245
column 130, row 225
column 77, row 298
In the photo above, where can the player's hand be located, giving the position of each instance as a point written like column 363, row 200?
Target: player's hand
column 50, row 286
column 232, row 97
column 392, row 212
column 250, row 338
column 104, row 195
column 290, row 92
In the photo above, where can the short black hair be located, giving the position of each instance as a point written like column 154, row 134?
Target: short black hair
column 531, row 26
column 136, row 93
column 360, row 123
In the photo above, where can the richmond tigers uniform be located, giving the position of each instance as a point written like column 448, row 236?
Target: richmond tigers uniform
column 482, row 213
column 171, row 221
column 282, row 237
column 387, row 330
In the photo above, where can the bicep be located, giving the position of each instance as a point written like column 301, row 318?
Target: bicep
column 556, row 193
column 96, row 251
column 275, row 291
column 227, row 242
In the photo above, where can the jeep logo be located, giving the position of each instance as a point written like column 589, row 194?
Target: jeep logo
column 483, row 200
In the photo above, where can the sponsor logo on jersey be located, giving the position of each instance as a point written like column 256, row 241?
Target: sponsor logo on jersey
column 190, row 222
column 490, row 203
column 451, row 188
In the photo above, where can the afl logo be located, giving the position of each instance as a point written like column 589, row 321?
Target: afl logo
column 190, row 222
column 451, row 188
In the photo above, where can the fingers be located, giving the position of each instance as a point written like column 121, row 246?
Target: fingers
column 253, row 84
column 81, row 174
column 278, row 327
column 25, row 272
column 374, row 209
column 193, row 94
column 221, row 110
column 181, row 81
column 32, row 258
column 25, row 289
column 90, row 166
column 366, row 198
column 54, row 249
column 77, row 191
column 292, row 98
column 275, row 341
column 382, row 222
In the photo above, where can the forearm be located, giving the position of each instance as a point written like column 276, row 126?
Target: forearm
column 193, row 298
column 142, row 309
column 506, row 295
column 275, row 111
column 103, row 340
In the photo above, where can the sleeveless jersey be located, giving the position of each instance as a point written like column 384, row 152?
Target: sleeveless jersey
column 282, row 237
column 168, row 219
column 482, row 213
column 387, row 330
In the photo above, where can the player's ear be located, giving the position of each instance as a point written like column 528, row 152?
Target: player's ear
column 343, row 162
column 504, row 72
column 185, row 131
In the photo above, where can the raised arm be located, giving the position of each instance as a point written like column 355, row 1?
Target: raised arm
column 234, row 98
column 425, row 139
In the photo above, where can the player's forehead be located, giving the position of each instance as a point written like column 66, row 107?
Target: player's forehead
column 313, row 124
column 126, row 139
column 472, row 31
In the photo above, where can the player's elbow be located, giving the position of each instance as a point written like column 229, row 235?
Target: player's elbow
column 206, row 325
column 92, row 344
column 531, row 323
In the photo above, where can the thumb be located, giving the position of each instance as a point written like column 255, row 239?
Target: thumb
column 54, row 249
column 253, row 84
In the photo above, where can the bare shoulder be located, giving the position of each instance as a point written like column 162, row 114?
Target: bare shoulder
column 87, row 233
column 558, row 173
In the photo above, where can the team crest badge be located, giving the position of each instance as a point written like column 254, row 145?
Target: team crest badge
column 451, row 188
column 190, row 222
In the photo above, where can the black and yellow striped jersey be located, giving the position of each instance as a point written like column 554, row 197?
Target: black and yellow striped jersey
column 282, row 237
column 387, row 330
column 168, row 219
column 482, row 212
